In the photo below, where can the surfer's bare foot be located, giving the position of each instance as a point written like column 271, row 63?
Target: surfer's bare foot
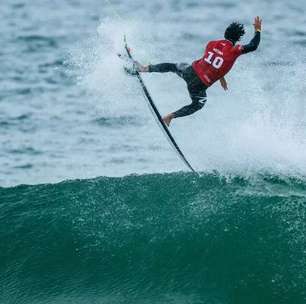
column 136, row 68
column 141, row 68
column 167, row 119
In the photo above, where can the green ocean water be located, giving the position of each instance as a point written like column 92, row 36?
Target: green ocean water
column 169, row 238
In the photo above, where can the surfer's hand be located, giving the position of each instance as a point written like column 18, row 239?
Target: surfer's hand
column 257, row 24
column 223, row 83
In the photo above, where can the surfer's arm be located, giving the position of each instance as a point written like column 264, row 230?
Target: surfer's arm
column 254, row 43
column 223, row 83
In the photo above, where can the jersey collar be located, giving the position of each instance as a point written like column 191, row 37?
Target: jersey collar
column 230, row 41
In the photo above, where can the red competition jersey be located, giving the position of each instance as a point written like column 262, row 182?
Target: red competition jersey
column 218, row 59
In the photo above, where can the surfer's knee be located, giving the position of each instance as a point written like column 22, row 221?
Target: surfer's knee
column 200, row 102
column 198, row 106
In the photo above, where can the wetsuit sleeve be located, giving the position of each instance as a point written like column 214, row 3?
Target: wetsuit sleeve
column 253, row 45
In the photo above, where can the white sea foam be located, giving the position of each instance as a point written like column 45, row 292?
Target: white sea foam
column 101, row 125
column 258, row 125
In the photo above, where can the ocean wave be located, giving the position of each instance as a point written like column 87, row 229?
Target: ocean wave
column 170, row 238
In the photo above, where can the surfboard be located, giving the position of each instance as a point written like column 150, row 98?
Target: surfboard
column 156, row 113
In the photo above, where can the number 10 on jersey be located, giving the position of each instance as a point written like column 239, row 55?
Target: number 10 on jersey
column 215, row 61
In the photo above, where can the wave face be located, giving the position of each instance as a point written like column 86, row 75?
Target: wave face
column 168, row 238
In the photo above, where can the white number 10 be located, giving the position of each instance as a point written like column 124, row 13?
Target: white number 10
column 216, row 62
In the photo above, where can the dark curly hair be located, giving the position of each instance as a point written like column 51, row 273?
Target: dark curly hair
column 234, row 32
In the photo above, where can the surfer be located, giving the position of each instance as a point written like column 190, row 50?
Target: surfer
column 218, row 59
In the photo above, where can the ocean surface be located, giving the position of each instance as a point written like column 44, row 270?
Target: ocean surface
column 96, row 207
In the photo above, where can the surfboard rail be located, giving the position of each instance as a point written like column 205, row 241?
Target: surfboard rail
column 157, row 115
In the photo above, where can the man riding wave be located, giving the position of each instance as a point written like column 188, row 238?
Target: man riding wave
column 218, row 59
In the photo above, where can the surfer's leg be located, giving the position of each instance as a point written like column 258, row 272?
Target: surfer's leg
column 154, row 68
column 184, row 111
column 190, row 109
column 177, row 68
column 162, row 68
column 198, row 96
column 199, row 99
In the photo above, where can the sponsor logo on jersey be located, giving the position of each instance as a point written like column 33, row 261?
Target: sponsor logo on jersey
column 218, row 51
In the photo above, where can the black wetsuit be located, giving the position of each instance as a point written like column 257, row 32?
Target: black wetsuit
column 196, row 88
